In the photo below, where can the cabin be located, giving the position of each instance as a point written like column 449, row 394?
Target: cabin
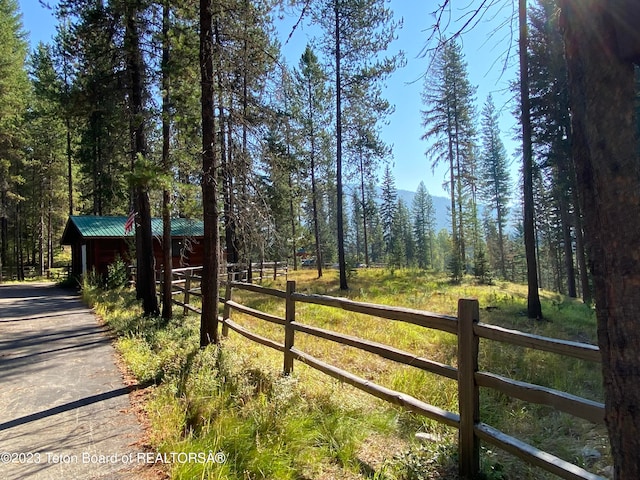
column 96, row 242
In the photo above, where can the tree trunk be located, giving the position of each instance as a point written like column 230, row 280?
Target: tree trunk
column 500, row 221
column 342, row 262
column 292, row 215
column 605, row 152
column 3, row 233
column 534, row 309
column 145, row 259
column 144, row 254
column 226, row 161
column 18, row 244
column 49, row 235
column 581, row 256
column 41, row 234
column 291, row 184
column 167, row 254
column 567, row 244
column 210, row 270
column 314, row 188
column 458, row 175
column 69, row 164
column 364, row 214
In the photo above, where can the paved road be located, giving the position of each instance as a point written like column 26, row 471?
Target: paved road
column 63, row 403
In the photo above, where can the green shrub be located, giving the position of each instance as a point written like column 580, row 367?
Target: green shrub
column 117, row 274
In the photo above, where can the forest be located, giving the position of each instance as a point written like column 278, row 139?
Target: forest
column 189, row 109
column 68, row 146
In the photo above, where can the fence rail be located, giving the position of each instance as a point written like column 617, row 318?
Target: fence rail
column 469, row 331
column 16, row 273
column 187, row 281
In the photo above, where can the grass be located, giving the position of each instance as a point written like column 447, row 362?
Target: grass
column 232, row 398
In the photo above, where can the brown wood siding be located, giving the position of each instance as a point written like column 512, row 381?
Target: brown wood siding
column 101, row 252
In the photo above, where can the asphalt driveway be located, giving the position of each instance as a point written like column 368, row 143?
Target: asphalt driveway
column 65, row 411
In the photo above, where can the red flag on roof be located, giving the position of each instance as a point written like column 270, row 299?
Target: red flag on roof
column 128, row 225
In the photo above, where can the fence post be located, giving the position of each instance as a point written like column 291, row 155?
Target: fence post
column 187, row 288
column 468, row 397
column 226, row 311
column 131, row 273
column 290, row 316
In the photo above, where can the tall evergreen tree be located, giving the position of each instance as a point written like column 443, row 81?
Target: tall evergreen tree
column 184, row 109
column 210, row 166
column 313, row 96
column 534, row 308
column 388, row 206
column 402, row 248
column 62, row 52
column 94, row 45
column 495, row 187
column 449, row 121
column 139, row 125
column 167, row 254
column 423, row 226
column 245, row 55
column 281, row 194
column 14, row 89
column 45, row 157
column 551, row 131
column 365, row 152
column 359, row 32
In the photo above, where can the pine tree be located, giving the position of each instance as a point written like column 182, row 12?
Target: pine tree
column 423, row 226
column 495, row 185
column 45, row 158
column 14, row 89
column 93, row 45
column 245, row 59
column 184, row 109
column 365, row 151
column 402, row 244
column 313, row 96
column 388, row 206
column 62, row 53
column 210, row 165
column 166, row 75
column 449, row 121
column 551, row 130
column 534, row 308
column 359, row 31
column 281, row 195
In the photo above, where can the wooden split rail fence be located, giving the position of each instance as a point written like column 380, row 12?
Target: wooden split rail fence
column 469, row 330
column 186, row 281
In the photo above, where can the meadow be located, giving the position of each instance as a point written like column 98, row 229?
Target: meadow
column 233, row 398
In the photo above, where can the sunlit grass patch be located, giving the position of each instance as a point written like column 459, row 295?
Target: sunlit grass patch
column 233, row 398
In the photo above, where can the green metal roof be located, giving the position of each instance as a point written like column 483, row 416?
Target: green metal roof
column 90, row 226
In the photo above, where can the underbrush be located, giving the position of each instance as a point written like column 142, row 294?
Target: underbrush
column 232, row 399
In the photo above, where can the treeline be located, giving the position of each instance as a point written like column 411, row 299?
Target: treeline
column 110, row 113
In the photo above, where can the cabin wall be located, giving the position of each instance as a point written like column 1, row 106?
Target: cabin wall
column 101, row 252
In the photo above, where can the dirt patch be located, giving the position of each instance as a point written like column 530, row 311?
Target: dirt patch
column 138, row 397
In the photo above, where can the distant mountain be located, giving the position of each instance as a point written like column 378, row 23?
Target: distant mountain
column 440, row 205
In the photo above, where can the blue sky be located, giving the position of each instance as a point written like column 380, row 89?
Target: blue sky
column 483, row 54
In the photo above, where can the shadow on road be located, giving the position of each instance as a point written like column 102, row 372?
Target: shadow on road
column 73, row 405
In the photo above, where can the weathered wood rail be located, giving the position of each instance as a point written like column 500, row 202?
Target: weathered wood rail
column 186, row 280
column 468, row 329
column 23, row 272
